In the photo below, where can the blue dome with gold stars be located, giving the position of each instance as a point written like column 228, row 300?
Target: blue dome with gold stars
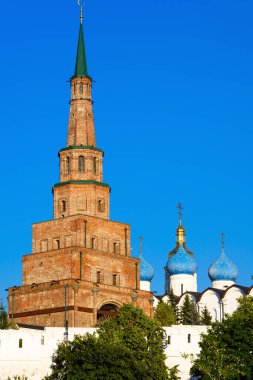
column 181, row 262
column 223, row 269
column 146, row 270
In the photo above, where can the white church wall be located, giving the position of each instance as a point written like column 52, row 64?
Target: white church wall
column 182, row 283
column 145, row 285
column 222, row 284
column 182, row 298
column 34, row 358
column 212, row 300
column 230, row 299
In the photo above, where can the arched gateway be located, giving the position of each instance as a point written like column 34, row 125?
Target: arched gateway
column 107, row 311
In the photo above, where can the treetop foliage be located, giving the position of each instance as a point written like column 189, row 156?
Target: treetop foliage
column 188, row 313
column 128, row 346
column 227, row 348
column 165, row 314
column 3, row 318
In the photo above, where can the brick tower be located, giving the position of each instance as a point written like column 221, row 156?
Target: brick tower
column 80, row 269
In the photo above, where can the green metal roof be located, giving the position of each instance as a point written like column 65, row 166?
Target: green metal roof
column 81, row 182
column 81, row 69
column 81, row 147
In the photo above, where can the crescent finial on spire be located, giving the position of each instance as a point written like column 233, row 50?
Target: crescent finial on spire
column 81, row 5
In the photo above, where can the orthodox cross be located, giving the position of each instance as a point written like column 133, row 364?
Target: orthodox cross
column 180, row 212
column 222, row 241
column 140, row 246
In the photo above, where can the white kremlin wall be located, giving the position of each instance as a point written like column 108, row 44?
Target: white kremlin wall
column 34, row 358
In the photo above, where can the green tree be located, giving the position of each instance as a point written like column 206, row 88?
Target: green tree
column 173, row 302
column 188, row 313
column 173, row 373
column 165, row 314
column 205, row 317
column 226, row 350
column 128, row 346
column 3, row 318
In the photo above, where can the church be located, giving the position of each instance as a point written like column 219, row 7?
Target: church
column 181, row 278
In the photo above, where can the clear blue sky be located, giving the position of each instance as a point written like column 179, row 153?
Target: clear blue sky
column 173, row 113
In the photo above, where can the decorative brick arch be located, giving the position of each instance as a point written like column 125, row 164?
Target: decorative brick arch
column 107, row 310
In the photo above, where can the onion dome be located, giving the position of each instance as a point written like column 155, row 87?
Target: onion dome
column 223, row 269
column 181, row 262
column 146, row 270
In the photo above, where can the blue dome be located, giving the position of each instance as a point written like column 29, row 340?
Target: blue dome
column 223, row 269
column 146, row 270
column 181, row 262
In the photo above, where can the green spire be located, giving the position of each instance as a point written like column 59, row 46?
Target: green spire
column 81, row 69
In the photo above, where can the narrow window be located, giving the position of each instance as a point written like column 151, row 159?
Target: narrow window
column 74, row 87
column 81, row 88
column 95, row 165
column 98, row 277
column 63, row 206
column 67, row 165
column 101, row 205
column 56, row 243
column 182, row 288
column 169, row 339
column 114, row 280
column 189, row 338
column 93, row 243
column 115, row 247
column 81, row 167
column 42, row 341
column 20, row 343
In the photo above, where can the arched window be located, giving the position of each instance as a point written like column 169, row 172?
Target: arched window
column 20, row 343
column 67, row 165
column 98, row 277
column 63, row 206
column 116, row 247
column 56, row 244
column 93, row 243
column 189, row 338
column 95, row 165
column 101, row 205
column 81, row 164
column 114, row 279
column 81, row 88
